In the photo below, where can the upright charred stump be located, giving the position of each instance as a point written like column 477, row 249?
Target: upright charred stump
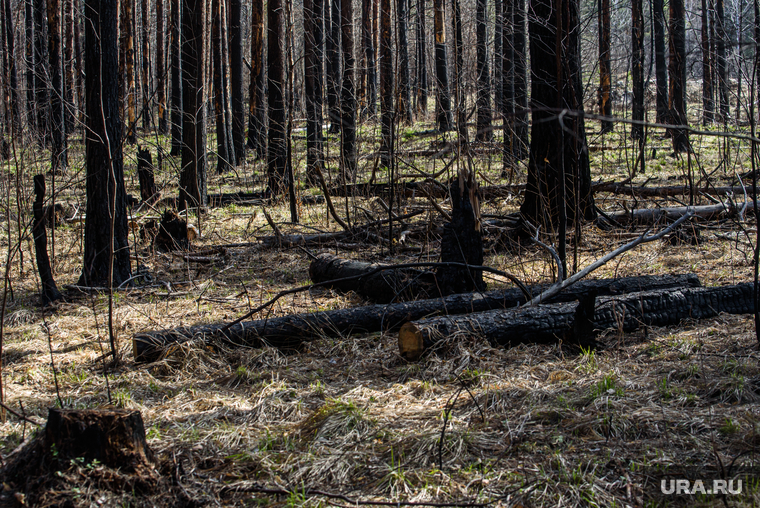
column 50, row 291
column 172, row 232
column 145, row 174
column 462, row 241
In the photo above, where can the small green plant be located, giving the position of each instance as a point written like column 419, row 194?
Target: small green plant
column 606, row 386
column 729, row 427
column 588, row 360
column 664, row 389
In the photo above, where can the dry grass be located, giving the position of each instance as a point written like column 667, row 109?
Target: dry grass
column 527, row 426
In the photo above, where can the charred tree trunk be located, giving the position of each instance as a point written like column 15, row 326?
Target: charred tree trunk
column 59, row 155
column 146, row 114
column 404, row 104
column 498, row 50
column 559, row 177
column 79, row 77
column 386, row 82
column 460, row 96
column 193, row 186
column 256, row 106
column 677, row 73
column 315, row 155
column 128, row 28
column 227, row 94
column 442, row 97
column 720, row 50
column 660, row 63
column 368, row 46
column 520, row 80
column 708, row 105
column 41, row 69
column 332, row 45
column 106, row 248
column 605, row 72
column 508, row 86
column 348, row 153
column 163, row 123
column 223, row 149
column 277, row 153
column 483, row 131
column 68, row 65
column 145, row 175
column 421, row 95
column 637, row 67
column 176, row 77
column 50, row 291
column 15, row 104
column 236, row 80
column 30, row 59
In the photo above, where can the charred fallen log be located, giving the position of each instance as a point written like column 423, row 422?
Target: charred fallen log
column 291, row 331
column 550, row 323
column 655, row 215
column 668, row 190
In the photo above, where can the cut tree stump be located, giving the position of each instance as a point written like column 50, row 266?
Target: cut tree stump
column 291, row 331
column 551, row 322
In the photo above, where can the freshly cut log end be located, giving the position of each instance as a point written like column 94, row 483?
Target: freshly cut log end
column 410, row 342
column 114, row 437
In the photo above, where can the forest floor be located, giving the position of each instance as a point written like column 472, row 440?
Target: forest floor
column 346, row 420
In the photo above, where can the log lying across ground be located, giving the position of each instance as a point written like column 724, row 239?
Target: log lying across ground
column 668, row 190
column 291, row 331
column 655, row 215
column 552, row 322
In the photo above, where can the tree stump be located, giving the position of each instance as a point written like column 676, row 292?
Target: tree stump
column 148, row 192
column 113, row 437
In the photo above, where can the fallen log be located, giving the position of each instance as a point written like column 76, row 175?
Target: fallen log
column 666, row 191
column 550, row 323
column 643, row 216
column 290, row 331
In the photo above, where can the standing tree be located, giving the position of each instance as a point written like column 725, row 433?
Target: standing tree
column 13, row 76
column 442, row 97
column 483, row 132
column 332, row 48
column 256, row 127
column 508, row 85
column 348, row 154
column 177, row 101
column 40, row 66
column 145, row 50
column 236, row 80
column 637, row 67
column 386, row 83
column 224, row 153
column 106, row 249
column 277, row 151
column 368, row 47
column 605, row 72
column 163, row 124
column 57, row 118
column 677, row 71
column 421, row 96
column 498, row 50
column 660, row 65
column 460, row 96
column 128, row 31
column 520, row 79
column 404, row 105
column 720, row 50
column 559, row 176
column 193, row 187
column 708, row 106
column 312, row 24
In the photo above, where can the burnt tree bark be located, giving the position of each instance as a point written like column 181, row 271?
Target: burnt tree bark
column 50, row 291
column 146, row 113
column 15, row 104
column 559, row 176
column 176, row 77
column 163, row 123
column 128, row 31
column 483, row 130
column 720, row 54
column 145, row 175
column 677, row 74
column 637, row 67
column 460, row 96
column 332, row 48
column 106, row 248
column 421, row 95
column 236, row 80
column 508, row 85
column 404, row 104
column 498, row 50
column 442, row 98
column 277, row 152
column 41, row 69
column 605, row 72
column 224, row 153
column 315, row 155
column 256, row 107
column 368, row 50
column 520, row 80
column 348, row 153
column 59, row 155
column 193, row 186
column 708, row 105
column 386, row 83
column 660, row 61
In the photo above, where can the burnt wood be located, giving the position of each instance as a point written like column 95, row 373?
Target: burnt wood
column 50, row 291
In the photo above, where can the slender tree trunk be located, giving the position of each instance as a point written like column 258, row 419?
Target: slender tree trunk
column 498, row 50
column 277, row 153
column 147, row 120
column 223, row 153
column 404, row 105
column 637, row 67
column 59, row 157
column 106, row 247
column 520, row 81
column 559, row 176
column 708, row 105
column 236, row 80
column 422, row 76
column 176, row 71
column 193, row 186
column 660, row 64
column 347, row 96
column 30, row 54
column 484, row 132
column 508, row 85
column 68, row 65
column 720, row 48
column 226, row 81
column 333, row 65
column 677, row 72
column 386, row 83
column 163, row 124
column 41, row 70
column 442, row 97
column 460, row 95
column 368, row 50
column 128, row 28
column 312, row 21
column 605, row 73
column 256, row 109
column 15, row 104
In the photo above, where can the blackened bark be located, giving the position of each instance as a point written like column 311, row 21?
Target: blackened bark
column 720, row 50
column 79, row 77
column 605, row 74
column 498, row 50
column 50, row 291
column 224, row 156
column 236, row 80
column 660, row 64
column 442, row 97
column 404, row 105
column 508, row 85
column 637, row 67
column 106, row 248
column 68, row 64
column 29, row 53
column 256, row 107
column 12, row 74
column 176, row 77
column 520, row 80
column 386, row 82
column 348, row 152
column 145, row 175
column 41, row 69
column 193, row 186
column 460, row 96
column 332, row 45
column 146, row 114
column 483, row 132
column 59, row 156
column 708, row 105
column 277, row 153
column 313, row 53
column 677, row 74
column 368, row 48
column 128, row 29
column 422, row 75
column 559, row 177
column 163, row 124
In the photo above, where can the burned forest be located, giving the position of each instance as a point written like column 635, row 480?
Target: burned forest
column 444, row 253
